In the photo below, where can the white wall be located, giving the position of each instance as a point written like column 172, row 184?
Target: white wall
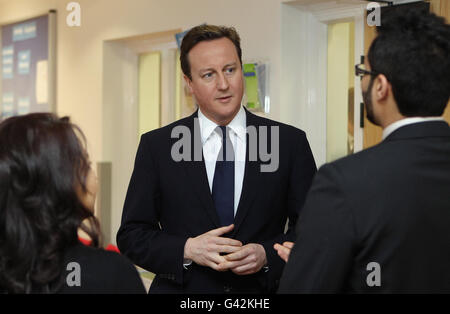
column 303, row 72
column 120, row 126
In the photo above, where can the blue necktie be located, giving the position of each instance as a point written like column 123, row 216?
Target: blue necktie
column 223, row 182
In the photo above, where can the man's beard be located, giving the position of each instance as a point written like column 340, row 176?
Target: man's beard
column 367, row 99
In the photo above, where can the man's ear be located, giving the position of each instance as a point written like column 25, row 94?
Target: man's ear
column 382, row 88
column 188, row 83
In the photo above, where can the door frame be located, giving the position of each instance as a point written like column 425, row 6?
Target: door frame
column 120, row 109
column 315, row 19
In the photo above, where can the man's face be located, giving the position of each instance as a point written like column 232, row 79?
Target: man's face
column 366, row 87
column 217, row 80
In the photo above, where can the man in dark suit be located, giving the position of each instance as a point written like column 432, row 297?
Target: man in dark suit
column 206, row 200
column 379, row 220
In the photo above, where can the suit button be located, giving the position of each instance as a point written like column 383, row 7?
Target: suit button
column 227, row 289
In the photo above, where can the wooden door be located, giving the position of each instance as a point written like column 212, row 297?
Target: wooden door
column 372, row 134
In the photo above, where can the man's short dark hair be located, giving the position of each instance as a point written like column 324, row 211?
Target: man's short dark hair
column 206, row 33
column 412, row 50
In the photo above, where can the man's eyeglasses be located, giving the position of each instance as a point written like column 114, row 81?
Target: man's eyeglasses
column 360, row 70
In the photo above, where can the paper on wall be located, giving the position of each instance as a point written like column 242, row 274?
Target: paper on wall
column 42, row 82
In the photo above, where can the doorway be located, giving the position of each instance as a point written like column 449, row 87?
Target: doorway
column 340, row 89
column 142, row 91
column 328, row 106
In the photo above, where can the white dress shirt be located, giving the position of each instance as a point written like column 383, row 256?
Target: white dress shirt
column 398, row 124
column 212, row 143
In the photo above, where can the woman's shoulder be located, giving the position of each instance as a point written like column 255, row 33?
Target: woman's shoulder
column 88, row 254
column 94, row 270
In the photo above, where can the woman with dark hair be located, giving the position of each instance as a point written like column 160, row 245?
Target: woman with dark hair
column 47, row 193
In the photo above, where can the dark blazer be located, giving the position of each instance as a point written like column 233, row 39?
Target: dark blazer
column 88, row 270
column 167, row 202
column 100, row 272
column 389, row 204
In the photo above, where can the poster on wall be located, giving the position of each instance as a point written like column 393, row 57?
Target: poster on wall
column 256, row 79
column 25, row 78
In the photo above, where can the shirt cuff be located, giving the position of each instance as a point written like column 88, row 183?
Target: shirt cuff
column 186, row 263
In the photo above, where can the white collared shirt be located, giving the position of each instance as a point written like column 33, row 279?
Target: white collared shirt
column 212, row 143
column 398, row 124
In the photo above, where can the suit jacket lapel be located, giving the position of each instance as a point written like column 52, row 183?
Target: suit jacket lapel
column 198, row 178
column 250, row 184
column 196, row 172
